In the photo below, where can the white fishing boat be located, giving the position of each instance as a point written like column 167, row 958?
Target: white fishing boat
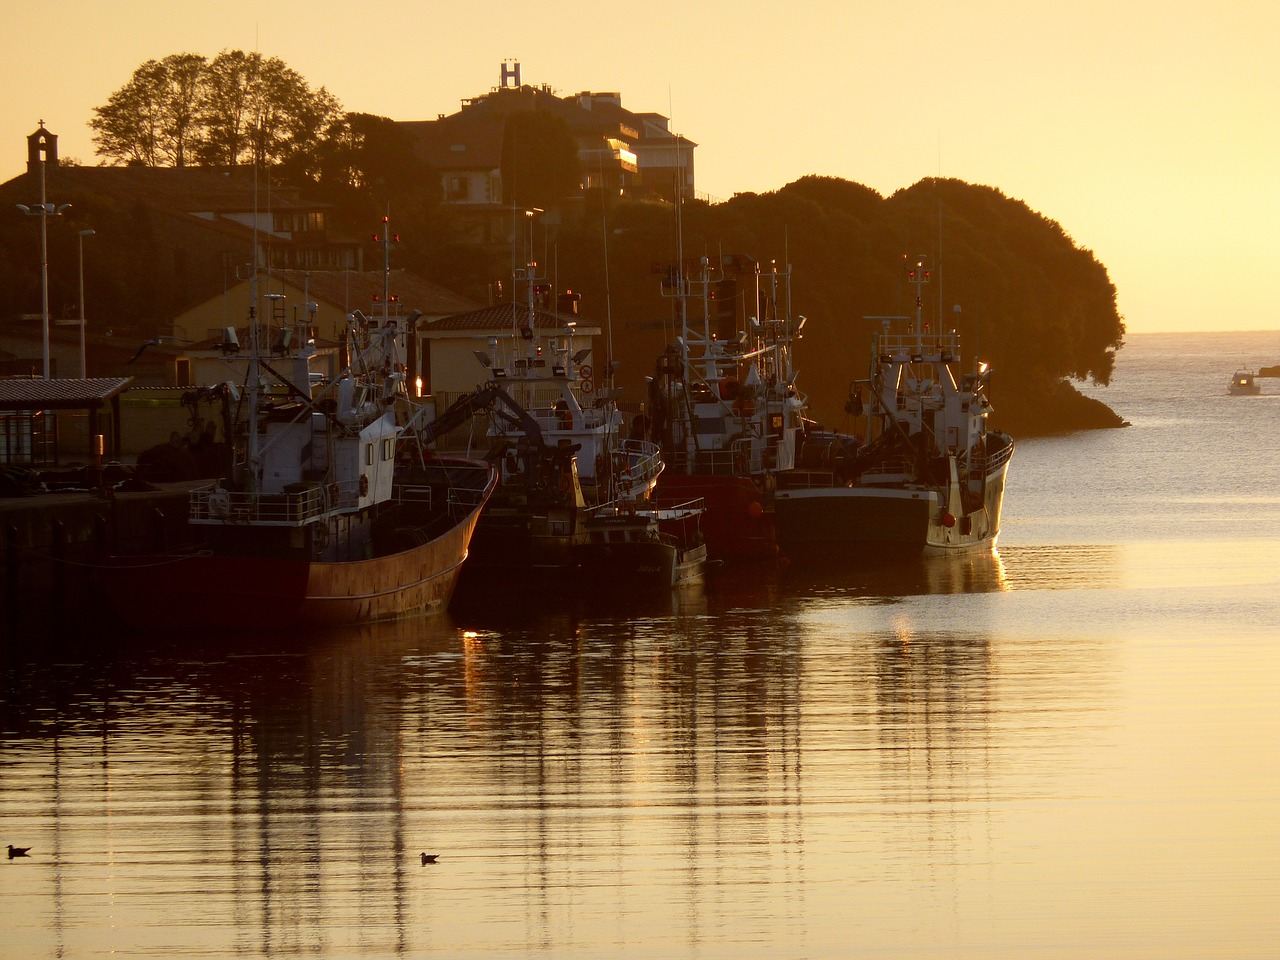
column 332, row 511
column 930, row 476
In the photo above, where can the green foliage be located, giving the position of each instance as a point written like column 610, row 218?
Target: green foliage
column 238, row 108
column 153, row 119
column 539, row 160
column 1041, row 310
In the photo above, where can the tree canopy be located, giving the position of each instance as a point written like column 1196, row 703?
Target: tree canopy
column 1040, row 309
column 236, row 108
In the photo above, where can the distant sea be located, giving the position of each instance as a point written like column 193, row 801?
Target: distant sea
column 1068, row 749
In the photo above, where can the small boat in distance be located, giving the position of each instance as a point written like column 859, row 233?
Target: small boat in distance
column 930, row 477
column 1244, row 384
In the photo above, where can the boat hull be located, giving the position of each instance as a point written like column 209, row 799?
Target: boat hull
column 737, row 526
column 638, row 565
column 215, row 591
column 858, row 523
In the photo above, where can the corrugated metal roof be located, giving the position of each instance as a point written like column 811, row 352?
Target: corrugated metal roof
column 29, row 394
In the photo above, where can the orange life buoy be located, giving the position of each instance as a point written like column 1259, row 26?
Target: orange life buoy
column 364, row 484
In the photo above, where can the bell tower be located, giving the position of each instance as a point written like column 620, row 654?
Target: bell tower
column 41, row 145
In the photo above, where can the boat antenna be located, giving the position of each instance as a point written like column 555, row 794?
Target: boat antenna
column 386, row 263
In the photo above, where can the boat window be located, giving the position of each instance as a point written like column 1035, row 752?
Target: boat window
column 368, row 454
column 388, row 448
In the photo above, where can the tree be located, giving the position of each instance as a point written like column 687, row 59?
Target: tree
column 539, row 160
column 154, row 119
column 259, row 110
column 239, row 108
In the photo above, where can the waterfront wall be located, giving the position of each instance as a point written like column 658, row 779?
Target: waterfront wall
column 52, row 547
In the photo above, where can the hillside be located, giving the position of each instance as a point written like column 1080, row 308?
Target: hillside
column 1039, row 309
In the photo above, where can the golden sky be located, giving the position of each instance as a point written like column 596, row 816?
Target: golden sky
column 1150, row 131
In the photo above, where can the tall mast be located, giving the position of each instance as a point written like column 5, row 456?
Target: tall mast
column 252, row 457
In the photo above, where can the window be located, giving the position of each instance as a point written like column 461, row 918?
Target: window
column 458, row 188
column 388, row 448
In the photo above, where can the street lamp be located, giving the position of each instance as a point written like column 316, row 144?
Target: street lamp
column 44, row 212
column 84, row 370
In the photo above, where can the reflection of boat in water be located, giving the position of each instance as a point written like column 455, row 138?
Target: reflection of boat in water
column 930, row 477
column 1244, row 383
column 973, row 571
column 334, row 515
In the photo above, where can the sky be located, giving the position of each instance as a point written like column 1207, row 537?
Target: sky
column 1149, row 131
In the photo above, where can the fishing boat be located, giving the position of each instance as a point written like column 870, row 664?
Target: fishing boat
column 555, row 436
column 930, row 476
column 723, row 402
column 332, row 511
column 538, row 514
column 1244, row 384
column 634, row 543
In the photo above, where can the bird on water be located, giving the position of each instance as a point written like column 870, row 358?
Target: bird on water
column 24, row 851
column 429, row 858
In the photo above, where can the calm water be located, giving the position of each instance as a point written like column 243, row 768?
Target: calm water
column 1068, row 750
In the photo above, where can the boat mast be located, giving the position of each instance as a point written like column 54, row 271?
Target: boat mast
column 253, row 465
column 918, row 276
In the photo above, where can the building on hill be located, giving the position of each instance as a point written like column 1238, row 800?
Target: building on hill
column 197, row 227
column 620, row 152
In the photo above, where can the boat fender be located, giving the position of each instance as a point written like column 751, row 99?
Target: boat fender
column 364, row 484
column 947, row 519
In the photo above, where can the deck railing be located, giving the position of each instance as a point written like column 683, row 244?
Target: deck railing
column 298, row 504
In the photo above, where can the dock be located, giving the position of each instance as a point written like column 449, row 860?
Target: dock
column 52, row 546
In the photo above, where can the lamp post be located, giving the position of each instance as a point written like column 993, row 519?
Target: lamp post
column 44, row 212
column 84, row 370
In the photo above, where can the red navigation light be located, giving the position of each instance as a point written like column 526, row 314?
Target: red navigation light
column 385, row 219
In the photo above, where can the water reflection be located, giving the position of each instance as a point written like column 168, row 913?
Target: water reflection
column 975, row 572
column 704, row 774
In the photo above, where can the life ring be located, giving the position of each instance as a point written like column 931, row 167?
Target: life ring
column 587, row 386
column 364, row 484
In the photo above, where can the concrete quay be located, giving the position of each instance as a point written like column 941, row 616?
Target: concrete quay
column 52, row 546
